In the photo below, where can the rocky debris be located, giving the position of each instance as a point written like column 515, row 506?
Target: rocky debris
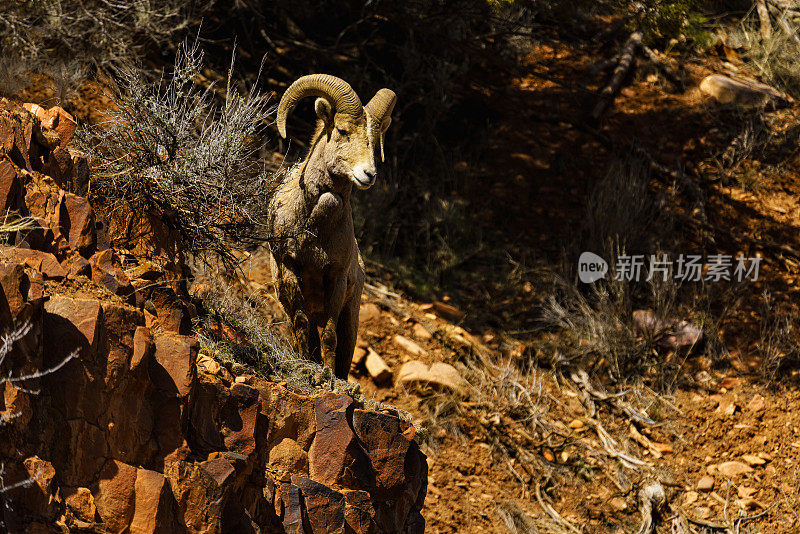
column 733, row 469
column 705, row 483
column 420, row 332
column 369, row 313
column 377, row 368
column 154, row 438
column 415, row 374
column 55, row 119
column 409, row 346
column 742, row 90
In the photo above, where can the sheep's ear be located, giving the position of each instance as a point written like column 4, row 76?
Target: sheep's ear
column 324, row 112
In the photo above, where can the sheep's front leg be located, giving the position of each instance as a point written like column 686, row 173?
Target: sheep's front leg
column 301, row 328
column 334, row 300
column 292, row 301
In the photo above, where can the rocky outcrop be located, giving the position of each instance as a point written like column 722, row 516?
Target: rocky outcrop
column 136, row 431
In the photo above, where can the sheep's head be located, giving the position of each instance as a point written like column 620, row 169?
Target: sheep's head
column 350, row 132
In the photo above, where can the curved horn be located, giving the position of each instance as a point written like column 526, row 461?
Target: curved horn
column 337, row 91
column 381, row 105
column 380, row 108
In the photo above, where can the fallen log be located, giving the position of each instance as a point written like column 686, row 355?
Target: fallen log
column 623, row 67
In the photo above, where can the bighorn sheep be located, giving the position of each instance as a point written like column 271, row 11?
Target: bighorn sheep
column 318, row 267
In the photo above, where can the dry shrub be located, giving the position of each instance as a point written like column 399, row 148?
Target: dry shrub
column 171, row 150
column 260, row 347
column 626, row 215
column 779, row 339
column 98, row 32
column 774, row 59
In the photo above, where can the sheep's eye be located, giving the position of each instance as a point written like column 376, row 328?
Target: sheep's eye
column 342, row 132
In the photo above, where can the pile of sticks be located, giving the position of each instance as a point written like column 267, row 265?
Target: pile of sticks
column 783, row 11
column 623, row 62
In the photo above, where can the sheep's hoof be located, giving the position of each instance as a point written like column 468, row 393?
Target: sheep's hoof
column 323, row 377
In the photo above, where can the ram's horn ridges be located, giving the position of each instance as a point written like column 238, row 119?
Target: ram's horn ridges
column 381, row 105
column 337, row 91
column 380, row 110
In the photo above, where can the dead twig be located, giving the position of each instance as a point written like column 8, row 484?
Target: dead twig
column 555, row 516
column 665, row 69
column 780, row 18
column 763, row 17
column 623, row 67
column 653, row 498
column 681, row 178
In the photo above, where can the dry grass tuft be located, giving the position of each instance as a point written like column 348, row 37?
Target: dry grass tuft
column 774, row 59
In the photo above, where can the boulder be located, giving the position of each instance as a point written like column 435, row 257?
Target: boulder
column 292, row 511
column 287, row 459
column 240, row 419
column 11, row 198
column 58, row 165
column 15, row 284
column 80, row 502
column 332, row 452
column 56, row 119
column 175, row 357
column 383, row 441
column 153, row 510
column 44, row 262
column 115, row 497
column 41, row 497
column 741, row 90
column 76, row 222
column 359, row 514
column 441, row 375
column 377, row 368
column 324, row 506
